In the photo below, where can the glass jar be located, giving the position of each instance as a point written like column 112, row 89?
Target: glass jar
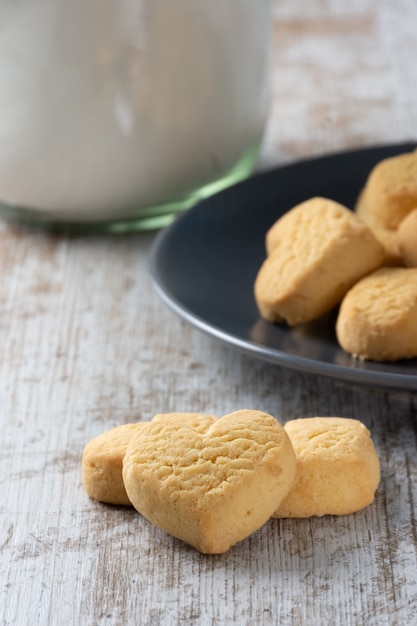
column 118, row 114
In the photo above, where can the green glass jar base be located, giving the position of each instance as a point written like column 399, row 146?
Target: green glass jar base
column 150, row 218
column 144, row 219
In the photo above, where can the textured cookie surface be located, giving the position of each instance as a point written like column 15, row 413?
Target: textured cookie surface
column 210, row 489
column 199, row 421
column 378, row 317
column 318, row 250
column 101, row 466
column 391, row 190
column 338, row 469
column 386, row 236
column 407, row 239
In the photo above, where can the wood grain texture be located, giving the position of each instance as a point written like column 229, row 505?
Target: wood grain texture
column 86, row 345
column 342, row 76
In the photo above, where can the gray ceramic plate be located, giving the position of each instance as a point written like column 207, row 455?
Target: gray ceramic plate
column 204, row 266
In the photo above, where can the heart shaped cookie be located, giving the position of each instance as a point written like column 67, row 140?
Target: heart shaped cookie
column 210, row 489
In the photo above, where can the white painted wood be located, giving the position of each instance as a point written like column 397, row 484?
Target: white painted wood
column 85, row 345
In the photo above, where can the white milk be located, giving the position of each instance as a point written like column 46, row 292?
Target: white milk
column 110, row 105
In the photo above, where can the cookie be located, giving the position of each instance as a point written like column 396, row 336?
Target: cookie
column 101, row 466
column 318, row 250
column 386, row 236
column 201, row 422
column 378, row 317
column 338, row 469
column 406, row 237
column 390, row 191
column 210, row 489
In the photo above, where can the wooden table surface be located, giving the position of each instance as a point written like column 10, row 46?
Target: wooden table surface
column 86, row 344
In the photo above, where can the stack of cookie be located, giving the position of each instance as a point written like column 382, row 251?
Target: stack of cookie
column 321, row 255
column 212, row 482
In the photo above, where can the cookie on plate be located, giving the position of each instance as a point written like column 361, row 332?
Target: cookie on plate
column 210, row 489
column 389, row 195
column 390, row 191
column 386, row 236
column 407, row 239
column 338, row 469
column 378, row 317
column 318, row 250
